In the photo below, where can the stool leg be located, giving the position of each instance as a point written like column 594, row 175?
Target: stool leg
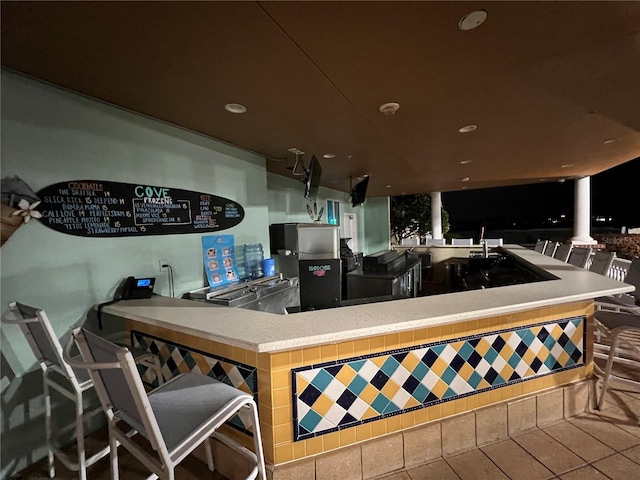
column 607, row 371
column 113, row 445
column 257, row 438
column 82, row 464
column 47, row 425
column 207, row 446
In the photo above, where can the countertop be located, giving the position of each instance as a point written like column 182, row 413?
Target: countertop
column 267, row 332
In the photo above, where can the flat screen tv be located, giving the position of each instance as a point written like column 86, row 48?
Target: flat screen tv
column 312, row 179
column 359, row 192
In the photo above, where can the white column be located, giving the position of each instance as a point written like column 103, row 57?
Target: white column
column 436, row 215
column 582, row 212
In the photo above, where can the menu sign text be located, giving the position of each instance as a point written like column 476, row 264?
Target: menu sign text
column 95, row 208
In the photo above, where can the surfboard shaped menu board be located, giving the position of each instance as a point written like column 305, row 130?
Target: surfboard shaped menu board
column 96, row 208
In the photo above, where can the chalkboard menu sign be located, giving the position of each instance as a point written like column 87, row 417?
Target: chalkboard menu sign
column 95, row 208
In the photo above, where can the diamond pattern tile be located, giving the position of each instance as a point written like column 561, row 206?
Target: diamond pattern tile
column 346, row 393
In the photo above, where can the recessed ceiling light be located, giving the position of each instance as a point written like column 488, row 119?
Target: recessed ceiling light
column 389, row 108
column 567, row 165
column 464, row 179
column 464, row 162
column 235, row 108
column 389, row 186
column 472, row 20
column 610, row 140
column 467, row 128
column 328, row 155
column 464, row 188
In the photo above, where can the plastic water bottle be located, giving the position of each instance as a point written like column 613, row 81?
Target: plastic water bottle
column 253, row 256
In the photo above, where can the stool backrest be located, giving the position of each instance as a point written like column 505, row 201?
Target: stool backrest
column 436, row 241
column 633, row 278
column 602, row 262
column 550, row 251
column 462, row 241
column 541, row 245
column 563, row 251
column 118, row 384
column 494, row 242
column 579, row 257
column 44, row 343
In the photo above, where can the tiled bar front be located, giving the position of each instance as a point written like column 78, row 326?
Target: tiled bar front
column 318, row 399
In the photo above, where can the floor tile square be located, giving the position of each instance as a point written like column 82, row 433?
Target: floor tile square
column 623, row 417
column 618, row 467
column 516, row 462
column 475, row 465
column 578, row 441
column 438, row 470
column 633, row 453
column 549, row 452
column 584, row 473
column 606, row 432
column 396, row 476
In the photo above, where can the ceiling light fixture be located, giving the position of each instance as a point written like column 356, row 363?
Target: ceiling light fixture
column 567, row 165
column 464, row 179
column 389, row 186
column 465, row 162
column 328, row 155
column 389, row 108
column 467, row 128
column 608, row 141
column 235, row 108
column 472, row 20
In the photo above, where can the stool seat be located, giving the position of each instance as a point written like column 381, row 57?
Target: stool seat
column 623, row 331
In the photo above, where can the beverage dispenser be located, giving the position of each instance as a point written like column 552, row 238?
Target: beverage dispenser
column 310, row 252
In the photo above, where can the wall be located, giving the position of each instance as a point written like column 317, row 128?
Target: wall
column 287, row 204
column 50, row 135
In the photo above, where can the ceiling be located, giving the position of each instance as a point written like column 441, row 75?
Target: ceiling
column 553, row 87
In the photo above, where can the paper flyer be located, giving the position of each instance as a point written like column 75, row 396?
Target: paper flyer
column 219, row 259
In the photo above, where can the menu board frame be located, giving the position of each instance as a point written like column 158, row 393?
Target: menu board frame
column 100, row 208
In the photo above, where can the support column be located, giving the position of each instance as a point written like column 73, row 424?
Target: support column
column 436, row 215
column 582, row 212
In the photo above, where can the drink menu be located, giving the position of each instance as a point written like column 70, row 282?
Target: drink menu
column 96, row 208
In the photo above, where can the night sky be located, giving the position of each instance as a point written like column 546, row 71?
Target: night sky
column 614, row 193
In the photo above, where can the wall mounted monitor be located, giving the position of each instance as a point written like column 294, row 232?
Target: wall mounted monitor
column 312, row 179
column 359, row 192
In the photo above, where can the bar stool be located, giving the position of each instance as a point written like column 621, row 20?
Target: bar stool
column 204, row 404
column 624, row 335
column 44, row 343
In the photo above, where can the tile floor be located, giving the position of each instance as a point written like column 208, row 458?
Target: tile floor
column 600, row 445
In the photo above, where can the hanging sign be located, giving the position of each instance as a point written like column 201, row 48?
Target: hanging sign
column 95, row 208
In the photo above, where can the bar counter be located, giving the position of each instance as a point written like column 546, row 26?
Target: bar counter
column 335, row 379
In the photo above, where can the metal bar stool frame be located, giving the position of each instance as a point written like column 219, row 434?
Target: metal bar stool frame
column 40, row 336
column 205, row 403
column 624, row 330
